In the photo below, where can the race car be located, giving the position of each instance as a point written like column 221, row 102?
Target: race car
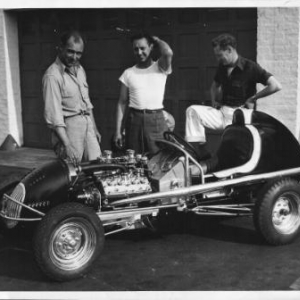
column 255, row 171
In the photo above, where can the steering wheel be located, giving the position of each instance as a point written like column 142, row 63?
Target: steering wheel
column 173, row 137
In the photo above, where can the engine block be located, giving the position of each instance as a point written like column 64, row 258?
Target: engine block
column 126, row 184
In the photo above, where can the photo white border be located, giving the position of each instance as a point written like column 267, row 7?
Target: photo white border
column 15, row 4
column 145, row 295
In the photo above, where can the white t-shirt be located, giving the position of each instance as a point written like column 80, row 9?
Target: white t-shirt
column 146, row 86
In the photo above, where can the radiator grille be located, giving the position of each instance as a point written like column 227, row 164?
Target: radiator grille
column 12, row 209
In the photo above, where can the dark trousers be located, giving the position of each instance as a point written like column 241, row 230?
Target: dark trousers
column 142, row 129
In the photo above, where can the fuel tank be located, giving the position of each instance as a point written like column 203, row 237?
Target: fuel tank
column 167, row 170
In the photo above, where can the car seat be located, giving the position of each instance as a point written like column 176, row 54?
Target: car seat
column 239, row 150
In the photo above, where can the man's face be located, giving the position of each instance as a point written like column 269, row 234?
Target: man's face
column 224, row 57
column 71, row 53
column 141, row 49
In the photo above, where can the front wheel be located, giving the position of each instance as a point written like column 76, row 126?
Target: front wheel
column 277, row 212
column 67, row 241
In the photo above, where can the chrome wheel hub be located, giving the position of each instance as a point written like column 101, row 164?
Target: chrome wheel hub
column 69, row 242
column 72, row 244
column 285, row 214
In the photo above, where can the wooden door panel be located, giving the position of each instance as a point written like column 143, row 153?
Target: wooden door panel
column 30, row 82
column 28, row 56
column 48, row 52
column 189, row 78
column 111, row 80
column 37, row 134
column 94, row 81
column 188, row 46
column 246, row 39
column 34, row 105
column 90, row 58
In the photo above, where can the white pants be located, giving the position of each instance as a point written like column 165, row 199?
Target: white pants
column 199, row 117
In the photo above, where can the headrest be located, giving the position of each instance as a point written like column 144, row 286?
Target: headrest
column 242, row 116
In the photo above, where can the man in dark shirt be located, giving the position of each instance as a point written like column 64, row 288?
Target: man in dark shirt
column 234, row 86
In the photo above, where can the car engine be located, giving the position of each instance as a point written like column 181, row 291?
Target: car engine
column 131, row 181
column 128, row 176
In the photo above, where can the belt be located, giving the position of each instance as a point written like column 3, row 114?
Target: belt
column 81, row 113
column 147, row 111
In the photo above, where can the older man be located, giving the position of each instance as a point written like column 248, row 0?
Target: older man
column 68, row 109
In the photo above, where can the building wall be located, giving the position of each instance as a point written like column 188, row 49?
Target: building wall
column 10, row 96
column 3, row 94
column 278, row 52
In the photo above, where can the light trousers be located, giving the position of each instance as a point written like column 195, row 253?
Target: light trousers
column 199, row 117
column 82, row 136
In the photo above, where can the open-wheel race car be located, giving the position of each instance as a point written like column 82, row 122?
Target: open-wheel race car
column 255, row 171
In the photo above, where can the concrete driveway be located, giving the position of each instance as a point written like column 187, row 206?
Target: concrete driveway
column 191, row 255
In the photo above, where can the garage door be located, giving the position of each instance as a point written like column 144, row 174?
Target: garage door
column 189, row 32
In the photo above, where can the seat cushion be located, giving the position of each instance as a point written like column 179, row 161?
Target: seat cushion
column 235, row 149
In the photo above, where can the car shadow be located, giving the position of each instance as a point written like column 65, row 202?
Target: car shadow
column 16, row 257
column 238, row 230
column 18, row 263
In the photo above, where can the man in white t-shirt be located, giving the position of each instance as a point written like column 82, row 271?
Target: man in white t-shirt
column 142, row 90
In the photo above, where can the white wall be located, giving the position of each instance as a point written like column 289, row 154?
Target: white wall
column 278, row 53
column 10, row 92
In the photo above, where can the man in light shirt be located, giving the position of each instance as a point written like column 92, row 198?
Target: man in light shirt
column 142, row 90
column 68, row 109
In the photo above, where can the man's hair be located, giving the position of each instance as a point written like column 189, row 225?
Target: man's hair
column 65, row 36
column 141, row 35
column 223, row 41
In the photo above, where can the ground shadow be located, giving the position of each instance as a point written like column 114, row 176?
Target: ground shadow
column 16, row 256
column 238, row 230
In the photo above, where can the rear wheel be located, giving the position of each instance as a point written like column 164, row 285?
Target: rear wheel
column 277, row 212
column 67, row 241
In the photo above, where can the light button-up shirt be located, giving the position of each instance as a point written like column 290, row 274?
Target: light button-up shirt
column 64, row 93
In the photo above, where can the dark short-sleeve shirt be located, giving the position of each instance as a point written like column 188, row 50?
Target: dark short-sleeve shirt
column 241, row 84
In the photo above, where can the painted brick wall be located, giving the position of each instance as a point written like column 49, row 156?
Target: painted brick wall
column 278, row 52
column 10, row 92
column 3, row 93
